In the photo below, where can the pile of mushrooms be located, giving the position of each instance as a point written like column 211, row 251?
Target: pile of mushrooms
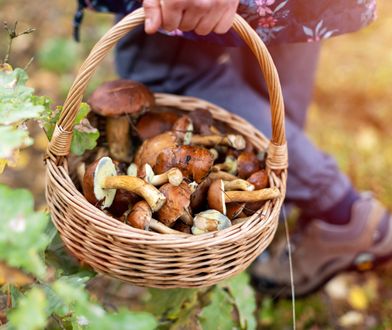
column 170, row 172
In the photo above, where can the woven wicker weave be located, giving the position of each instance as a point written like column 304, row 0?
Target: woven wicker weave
column 146, row 258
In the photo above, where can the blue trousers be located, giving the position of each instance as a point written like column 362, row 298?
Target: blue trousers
column 231, row 78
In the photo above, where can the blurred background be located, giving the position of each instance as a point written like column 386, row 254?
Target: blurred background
column 350, row 118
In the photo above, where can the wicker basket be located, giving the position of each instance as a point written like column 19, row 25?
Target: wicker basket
column 146, row 258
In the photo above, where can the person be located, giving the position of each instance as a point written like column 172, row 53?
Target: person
column 339, row 227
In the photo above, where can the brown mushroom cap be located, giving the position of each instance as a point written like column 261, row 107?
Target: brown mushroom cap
column 247, row 164
column 194, row 162
column 154, row 123
column 177, row 203
column 118, row 97
column 259, row 179
column 202, row 121
column 216, row 196
column 150, row 149
column 140, row 215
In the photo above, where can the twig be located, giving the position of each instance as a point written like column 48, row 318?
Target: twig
column 12, row 34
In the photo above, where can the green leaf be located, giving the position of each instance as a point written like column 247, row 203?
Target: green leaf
column 244, row 299
column 125, row 320
column 84, row 138
column 12, row 139
column 22, row 231
column 30, row 313
column 218, row 314
column 16, row 103
column 84, row 135
column 169, row 302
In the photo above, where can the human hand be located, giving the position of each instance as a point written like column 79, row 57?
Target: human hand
column 200, row 16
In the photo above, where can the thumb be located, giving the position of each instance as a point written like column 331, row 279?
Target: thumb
column 152, row 9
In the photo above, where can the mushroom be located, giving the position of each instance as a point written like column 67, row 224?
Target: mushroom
column 260, row 180
column 101, row 182
column 230, row 165
column 210, row 220
column 244, row 165
column 182, row 227
column 154, row 123
column 234, row 210
column 140, row 216
column 202, row 121
column 194, row 162
column 148, row 151
column 176, row 205
column 247, row 164
column 183, row 129
column 173, row 176
column 218, row 196
column 117, row 101
column 235, row 141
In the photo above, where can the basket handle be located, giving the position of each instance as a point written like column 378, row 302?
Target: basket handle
column 60, row 144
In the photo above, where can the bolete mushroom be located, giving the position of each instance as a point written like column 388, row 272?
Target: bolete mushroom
column 194, row 162
column 260, row 180
column 208, row 221
column 140, row 216
column 101, row 182
column 173, row 176
column 218, row 196
column 154, row 123
column 176, row 205
column 247, row 164
column 120, row 101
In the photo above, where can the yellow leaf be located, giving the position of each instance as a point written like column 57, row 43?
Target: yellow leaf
column 357, row 298
column 3, row 164
column 14, row 276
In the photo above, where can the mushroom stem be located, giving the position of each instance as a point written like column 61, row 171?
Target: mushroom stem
column 235, row 141
column 161, row 228
column 251, row 196
column 152, row 195
column 222, row 175
column 187, row 218
column 117, row 131
column 238, row 184
column 230, row 165
column 173, row 176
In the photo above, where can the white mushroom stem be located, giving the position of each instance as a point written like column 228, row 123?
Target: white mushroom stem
column 215, row 153
column 173, row 176
column 235, row 141
column 238, row 184
column 161, row 228
column 251, row 196
column 151, row 195
column 132, row 170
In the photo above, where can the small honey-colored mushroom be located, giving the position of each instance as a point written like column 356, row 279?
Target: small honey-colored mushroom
column 140, row 216
column 194, row 162
column 173, row 176
column 235, row 141
column 218, row 197
column 120, row 101
column 176, row 205
column 209, row 221
column 154, row 123
column 101, row 182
